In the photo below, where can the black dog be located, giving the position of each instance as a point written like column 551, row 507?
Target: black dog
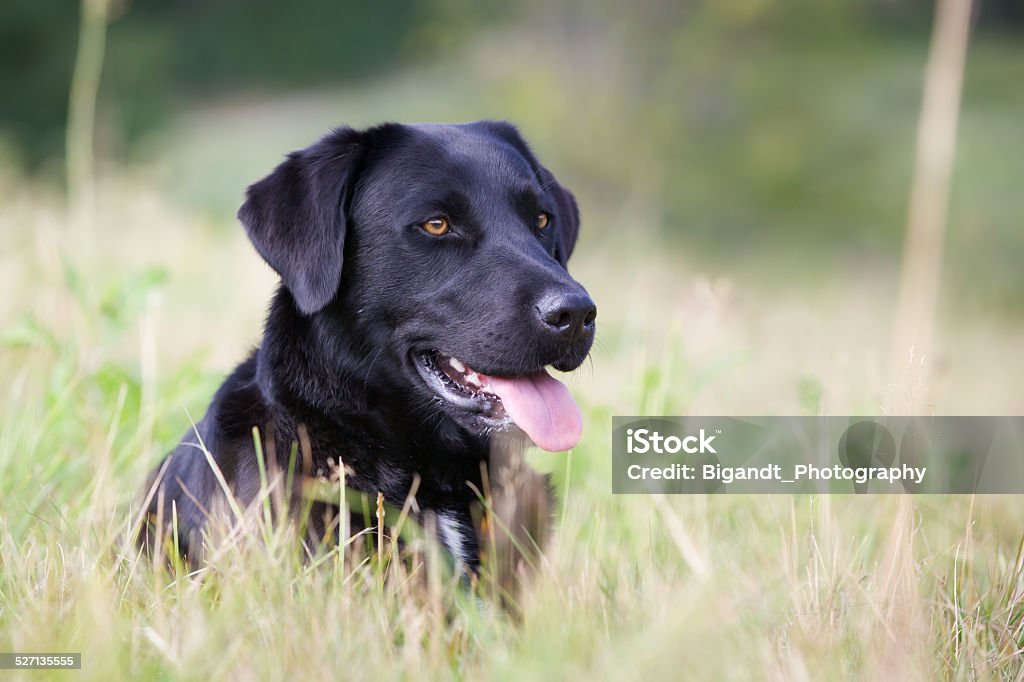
column 423, row 291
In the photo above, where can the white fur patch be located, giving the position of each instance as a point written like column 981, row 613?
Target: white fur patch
column 451, row 531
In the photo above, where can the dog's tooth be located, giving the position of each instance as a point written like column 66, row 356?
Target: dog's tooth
column 457, row 364
column 473, row 378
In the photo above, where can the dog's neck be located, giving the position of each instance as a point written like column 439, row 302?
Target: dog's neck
column 310, row 368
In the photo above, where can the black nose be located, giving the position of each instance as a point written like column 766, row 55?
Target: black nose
column 570, row 315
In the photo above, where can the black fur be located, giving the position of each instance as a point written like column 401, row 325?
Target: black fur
column 363, row 291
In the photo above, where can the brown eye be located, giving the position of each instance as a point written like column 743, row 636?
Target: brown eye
column 436, row 226
column 542, row 220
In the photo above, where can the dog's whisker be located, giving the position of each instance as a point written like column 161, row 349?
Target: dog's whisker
column 366, row 379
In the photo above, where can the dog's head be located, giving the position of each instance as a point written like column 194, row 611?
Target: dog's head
column 440, row 252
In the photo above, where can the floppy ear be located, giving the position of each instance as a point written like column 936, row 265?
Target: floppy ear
column 568, row 219
column 295, row 217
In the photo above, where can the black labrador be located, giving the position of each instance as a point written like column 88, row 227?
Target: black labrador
column 423, row 293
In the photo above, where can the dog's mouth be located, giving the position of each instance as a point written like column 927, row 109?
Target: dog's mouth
column 462, row 386
column 536, row 402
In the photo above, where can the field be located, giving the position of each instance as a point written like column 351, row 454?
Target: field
column 115, row 331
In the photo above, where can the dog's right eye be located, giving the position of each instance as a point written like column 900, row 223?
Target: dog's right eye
column 436, row 226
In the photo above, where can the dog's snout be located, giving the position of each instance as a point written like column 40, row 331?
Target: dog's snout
column 569, row 315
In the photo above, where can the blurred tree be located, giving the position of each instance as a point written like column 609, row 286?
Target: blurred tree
column 37, row 52
column 161, row 53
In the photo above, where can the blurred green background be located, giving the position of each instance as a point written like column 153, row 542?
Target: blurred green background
column 732, row 130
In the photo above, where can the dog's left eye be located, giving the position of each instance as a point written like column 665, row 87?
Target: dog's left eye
column 436, row 226
column 542, row 220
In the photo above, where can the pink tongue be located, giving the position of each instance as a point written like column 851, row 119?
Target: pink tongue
column 541, row 406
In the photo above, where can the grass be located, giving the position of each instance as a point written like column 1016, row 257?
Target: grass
column 110, row 340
